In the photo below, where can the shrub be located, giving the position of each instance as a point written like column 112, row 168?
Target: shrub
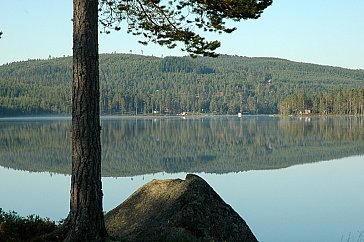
column 16, row 228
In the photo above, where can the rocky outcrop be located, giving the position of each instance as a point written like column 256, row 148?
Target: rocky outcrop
column 176, row 210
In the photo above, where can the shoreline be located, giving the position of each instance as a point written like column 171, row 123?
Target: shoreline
column 153, row 116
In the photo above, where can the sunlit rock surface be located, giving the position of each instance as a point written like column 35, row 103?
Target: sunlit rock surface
column 177, row 210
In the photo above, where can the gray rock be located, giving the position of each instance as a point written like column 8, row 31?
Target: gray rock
column 176, row 210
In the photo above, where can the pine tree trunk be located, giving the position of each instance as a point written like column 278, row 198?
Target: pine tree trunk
column 85, row 221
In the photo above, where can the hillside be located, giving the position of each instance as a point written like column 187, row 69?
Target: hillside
column 143, row 84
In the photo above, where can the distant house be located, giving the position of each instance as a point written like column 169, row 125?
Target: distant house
column 183, row 114
column 308, row 111
column 305, row 112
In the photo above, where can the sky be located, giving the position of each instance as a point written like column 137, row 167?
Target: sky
column 325, row 32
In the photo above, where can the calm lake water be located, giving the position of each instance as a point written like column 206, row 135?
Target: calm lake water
column 291, row 179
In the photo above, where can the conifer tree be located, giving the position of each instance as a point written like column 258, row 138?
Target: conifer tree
column 160, row 22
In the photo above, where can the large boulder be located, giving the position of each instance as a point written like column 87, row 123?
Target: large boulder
column 176, row 210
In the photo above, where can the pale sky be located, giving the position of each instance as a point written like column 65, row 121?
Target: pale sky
column 327, row 32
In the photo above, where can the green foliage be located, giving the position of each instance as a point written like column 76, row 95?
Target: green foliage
column 334, row 101
column 132, row 84
column 185, row 65
column 42, row 87
column 17, row 229
column 168, row 22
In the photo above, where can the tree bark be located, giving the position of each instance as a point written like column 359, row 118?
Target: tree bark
column 85, row 221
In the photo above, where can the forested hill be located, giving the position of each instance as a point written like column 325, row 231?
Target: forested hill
column 143, row 84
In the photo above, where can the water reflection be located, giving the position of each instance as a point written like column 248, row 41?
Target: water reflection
column 133, row 146
column 306, row 203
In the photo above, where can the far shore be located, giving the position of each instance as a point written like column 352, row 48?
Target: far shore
column 45, row 117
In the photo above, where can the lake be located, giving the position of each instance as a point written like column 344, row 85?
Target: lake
column 290, row 178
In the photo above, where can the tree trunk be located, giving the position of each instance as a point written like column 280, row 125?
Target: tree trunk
column 85, row 221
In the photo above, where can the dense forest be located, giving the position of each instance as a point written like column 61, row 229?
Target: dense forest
column 217, row 144
column 333, row 101
column 135, row 84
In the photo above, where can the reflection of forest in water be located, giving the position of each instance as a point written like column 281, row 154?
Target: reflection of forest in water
column 133, row 146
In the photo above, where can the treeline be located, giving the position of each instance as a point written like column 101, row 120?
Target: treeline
column 348, row 102
column 36, row 87
column 134, row 84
